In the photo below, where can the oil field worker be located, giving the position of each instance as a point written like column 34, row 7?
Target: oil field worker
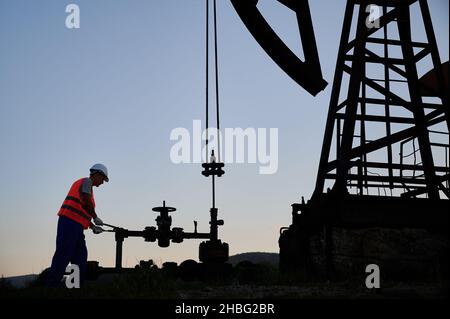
column 75, row 216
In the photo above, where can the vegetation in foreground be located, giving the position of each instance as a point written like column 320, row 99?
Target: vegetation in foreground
column 246, row 280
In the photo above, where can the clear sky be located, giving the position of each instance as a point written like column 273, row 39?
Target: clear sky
column 113, row 90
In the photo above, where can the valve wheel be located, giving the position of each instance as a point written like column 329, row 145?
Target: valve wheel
column 164, row 208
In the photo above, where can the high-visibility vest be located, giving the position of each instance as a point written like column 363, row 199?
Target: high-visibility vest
column 72, row 206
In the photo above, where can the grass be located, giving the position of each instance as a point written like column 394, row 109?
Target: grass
column 244, row 281
column 149, row 282
column 137, row 285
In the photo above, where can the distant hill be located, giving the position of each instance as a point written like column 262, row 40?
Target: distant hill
column 256, row 258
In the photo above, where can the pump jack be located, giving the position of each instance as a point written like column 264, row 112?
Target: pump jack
column 332, row 234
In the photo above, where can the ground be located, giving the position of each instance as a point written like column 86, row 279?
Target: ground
column 245, row 282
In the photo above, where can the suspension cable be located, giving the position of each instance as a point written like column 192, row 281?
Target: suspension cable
column 207, row 78
column 216, row 62
column 212, row 167
column 217, row 82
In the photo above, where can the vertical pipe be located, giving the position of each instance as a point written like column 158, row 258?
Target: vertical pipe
column 213, row 225
column 386, row 105
column 213, row 191
column 362, row 142
column 119, row 243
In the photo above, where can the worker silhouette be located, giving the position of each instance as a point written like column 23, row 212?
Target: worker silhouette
column 75, row 216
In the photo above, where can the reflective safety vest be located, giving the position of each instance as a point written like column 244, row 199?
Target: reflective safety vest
column 72, row 206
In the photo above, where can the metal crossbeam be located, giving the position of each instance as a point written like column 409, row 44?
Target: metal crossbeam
column 354, row 108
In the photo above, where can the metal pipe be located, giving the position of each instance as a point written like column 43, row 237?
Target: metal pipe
column 134, row 233
column 196, row 235
column 119, row 244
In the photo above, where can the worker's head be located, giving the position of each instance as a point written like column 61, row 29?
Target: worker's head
column 99, row 174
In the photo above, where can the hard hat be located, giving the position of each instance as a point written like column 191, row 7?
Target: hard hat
column 100, row 168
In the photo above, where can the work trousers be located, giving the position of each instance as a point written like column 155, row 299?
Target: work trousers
column 70, row 248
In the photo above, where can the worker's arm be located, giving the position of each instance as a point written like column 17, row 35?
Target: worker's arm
column 87, row 204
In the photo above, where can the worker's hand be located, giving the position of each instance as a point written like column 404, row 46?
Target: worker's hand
column 98, row 221
column 97, row 229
